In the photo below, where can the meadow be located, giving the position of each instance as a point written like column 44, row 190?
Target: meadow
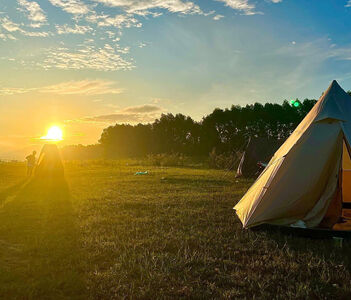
column 110, row 234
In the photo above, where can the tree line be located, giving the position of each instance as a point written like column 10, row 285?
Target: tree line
column 222, row 131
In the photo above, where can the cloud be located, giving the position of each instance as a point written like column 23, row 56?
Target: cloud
column 103, row 16
column 8, row 25
column 143, row 6
column 81, row 87
column 11, row 26
column 241, row 5
column 13, row 91
column 218, row 17
column 307, row 59
column 244, row 6
column 104, row 58
column 133, row 114
column 146, row 108
column 75, row 7
column 319, row 49
column 118, row 21
column 34, row 11
column 77, row 29
column 35, row 34
column 6, row 36
column 348, row 4
column 111, row 34
column 120, row 118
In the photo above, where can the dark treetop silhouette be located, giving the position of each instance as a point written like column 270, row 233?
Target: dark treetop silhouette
column 224, row 130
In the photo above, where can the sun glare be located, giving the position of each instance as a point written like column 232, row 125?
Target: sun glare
column 54, row 134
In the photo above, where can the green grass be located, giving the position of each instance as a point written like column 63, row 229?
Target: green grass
column 169, row 234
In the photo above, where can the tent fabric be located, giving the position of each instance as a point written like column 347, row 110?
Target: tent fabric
column 258, row 149
column 301, row 181
column 346, row 175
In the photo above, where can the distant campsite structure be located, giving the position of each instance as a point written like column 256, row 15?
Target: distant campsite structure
column 257, row 154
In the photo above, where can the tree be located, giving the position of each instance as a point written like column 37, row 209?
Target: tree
column 223, row 131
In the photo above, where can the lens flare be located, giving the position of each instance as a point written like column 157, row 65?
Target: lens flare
column 296, row 103
column 54, row 134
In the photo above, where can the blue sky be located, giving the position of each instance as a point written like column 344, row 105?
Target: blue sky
column 87, row 64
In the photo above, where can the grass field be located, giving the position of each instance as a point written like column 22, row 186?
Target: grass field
column 172, row 233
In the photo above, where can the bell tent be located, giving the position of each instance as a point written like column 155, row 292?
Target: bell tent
column 309, row 178
column 258, row 151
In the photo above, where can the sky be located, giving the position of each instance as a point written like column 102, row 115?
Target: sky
column 87, row 64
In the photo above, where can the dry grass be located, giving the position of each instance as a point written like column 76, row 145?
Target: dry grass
column 169, row 234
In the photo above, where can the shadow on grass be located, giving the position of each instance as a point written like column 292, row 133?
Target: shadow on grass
column 318, row 242
column 12, row 190
column 40, row 256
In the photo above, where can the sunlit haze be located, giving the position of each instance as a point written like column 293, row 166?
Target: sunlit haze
column 88, row 64
column 54, row 134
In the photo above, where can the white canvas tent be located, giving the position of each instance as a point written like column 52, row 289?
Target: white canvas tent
column 309, row 176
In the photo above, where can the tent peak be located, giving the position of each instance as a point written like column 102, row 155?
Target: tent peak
column 335, row 91
column 334, row 86
column 333, row 104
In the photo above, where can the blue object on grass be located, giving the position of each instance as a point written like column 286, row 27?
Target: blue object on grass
column 142, row 173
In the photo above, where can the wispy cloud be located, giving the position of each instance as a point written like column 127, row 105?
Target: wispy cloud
column 146, row 108
column 8, row 91
column 76, row 29
column 241, row 5
column 8, row 25
column 144, row 6
column 106, row 58
column 308, row 58
column 244, row 6
column 321, row 49
column 133, row 114
column 218, row 17
column 34, row 12
column 119, row 21
column 90, row 18
column 35, row 34
column 75, row 7
column 82, row 87
column 5, row 37
column 348, row 4
column 11, row 27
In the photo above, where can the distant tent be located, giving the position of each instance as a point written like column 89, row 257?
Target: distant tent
column 49, row 163
column 258, row 151
column 308, row 180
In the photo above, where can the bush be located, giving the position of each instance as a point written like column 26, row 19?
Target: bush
column 168, row 160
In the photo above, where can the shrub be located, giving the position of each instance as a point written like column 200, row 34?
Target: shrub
column 168, row 160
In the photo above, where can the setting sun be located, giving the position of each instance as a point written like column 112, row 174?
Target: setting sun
column 54, row 134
